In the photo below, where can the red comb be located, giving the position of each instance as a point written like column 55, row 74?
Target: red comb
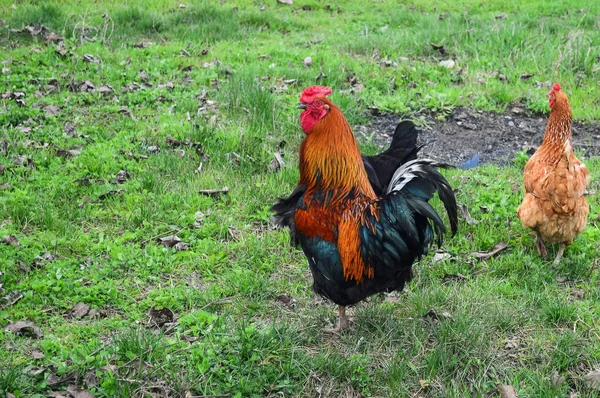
column 556, row 87
column 312, row 92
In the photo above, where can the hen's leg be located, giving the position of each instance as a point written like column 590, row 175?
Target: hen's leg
column 540, row 246
column 561, row 250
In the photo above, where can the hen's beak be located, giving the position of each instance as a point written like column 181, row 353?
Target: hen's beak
column 301, row 106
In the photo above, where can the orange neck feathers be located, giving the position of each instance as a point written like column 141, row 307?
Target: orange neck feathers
column 558, row 130
column 330, row 159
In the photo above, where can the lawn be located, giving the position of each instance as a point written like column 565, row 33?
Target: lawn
column 138, row 145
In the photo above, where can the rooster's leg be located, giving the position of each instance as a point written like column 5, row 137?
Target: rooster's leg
column 561, row 250
column 343, row 323
column 540, row 246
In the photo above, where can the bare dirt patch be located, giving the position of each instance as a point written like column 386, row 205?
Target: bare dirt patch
column 495, row 137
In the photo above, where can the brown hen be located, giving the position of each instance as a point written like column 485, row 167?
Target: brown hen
column 554, row 206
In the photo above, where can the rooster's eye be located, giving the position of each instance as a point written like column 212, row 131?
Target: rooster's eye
column 319, row 103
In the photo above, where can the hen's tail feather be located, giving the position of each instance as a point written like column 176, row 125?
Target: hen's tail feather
column 420, row 178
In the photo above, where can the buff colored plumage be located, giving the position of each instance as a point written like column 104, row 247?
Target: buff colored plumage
column 554, row 206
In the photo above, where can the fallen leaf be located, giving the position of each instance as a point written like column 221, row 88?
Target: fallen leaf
column 437, row 316
column 277, row 163
column 286, row 2
column 105, row 89
column 592, row 379
column 68, row 153
column 185, row 53
column 54, row 381
column 498, row 247
column 37, row 354
column 108, row 194
column 440, row 257
column 307, row 62
column 464, row 212
column 122, row 176
column 11, row 240
column 169, row 241
column 439, row 48
column 91, row 59
column 162, row 316
column 501, row 16
column 447, row 63
column 24, row 130
column 181, row 246
column 234, row 233
column 287, row 300
column 152, row 149
column 91, row 380
column 80, row 310
column 458, row 276
column 25, row 327
column 527, row 76
column 214, row 193
column 142, row 44
column 173, row 142
column 52, row 110
column 557, row 379
column 507, row 391
column 53, row 37
column 70, row 130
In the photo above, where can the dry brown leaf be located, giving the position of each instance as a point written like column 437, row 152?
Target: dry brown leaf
column 91, row 58
column 287, row 300
column 105, row 89
column 70, row 130
column 25, row 327
column 181, row 246
column 160, row 317
column 122, row 176
column 234, row 233
column 307, row 62
column 527, row 76
column 54, row 381
column 169, row 241
column 557, row 379
column 91, row 380
column 507, row 391
column 464, row 212
column 439, row 48
column 37, row 354
column 11, row 240
column 592, row 379
column 80, row 310
column 498, row 247
column 142, row 44
column 277, row 163
column 437, row 316
column 52, row 109
column 108, row 194
column 214, row 193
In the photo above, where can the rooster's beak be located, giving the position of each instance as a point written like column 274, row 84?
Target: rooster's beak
column 301, row 106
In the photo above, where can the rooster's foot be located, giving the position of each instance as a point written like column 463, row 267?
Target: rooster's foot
column 343, row 322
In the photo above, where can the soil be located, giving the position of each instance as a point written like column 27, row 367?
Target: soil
column 494, row 137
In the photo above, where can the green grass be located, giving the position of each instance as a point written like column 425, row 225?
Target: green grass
column 514, row 320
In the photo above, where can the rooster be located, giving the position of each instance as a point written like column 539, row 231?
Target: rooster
column 361, row 221
column 554, row 205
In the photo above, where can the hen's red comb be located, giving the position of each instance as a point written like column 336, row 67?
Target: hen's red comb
column 556, row 87
column 312, row 92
